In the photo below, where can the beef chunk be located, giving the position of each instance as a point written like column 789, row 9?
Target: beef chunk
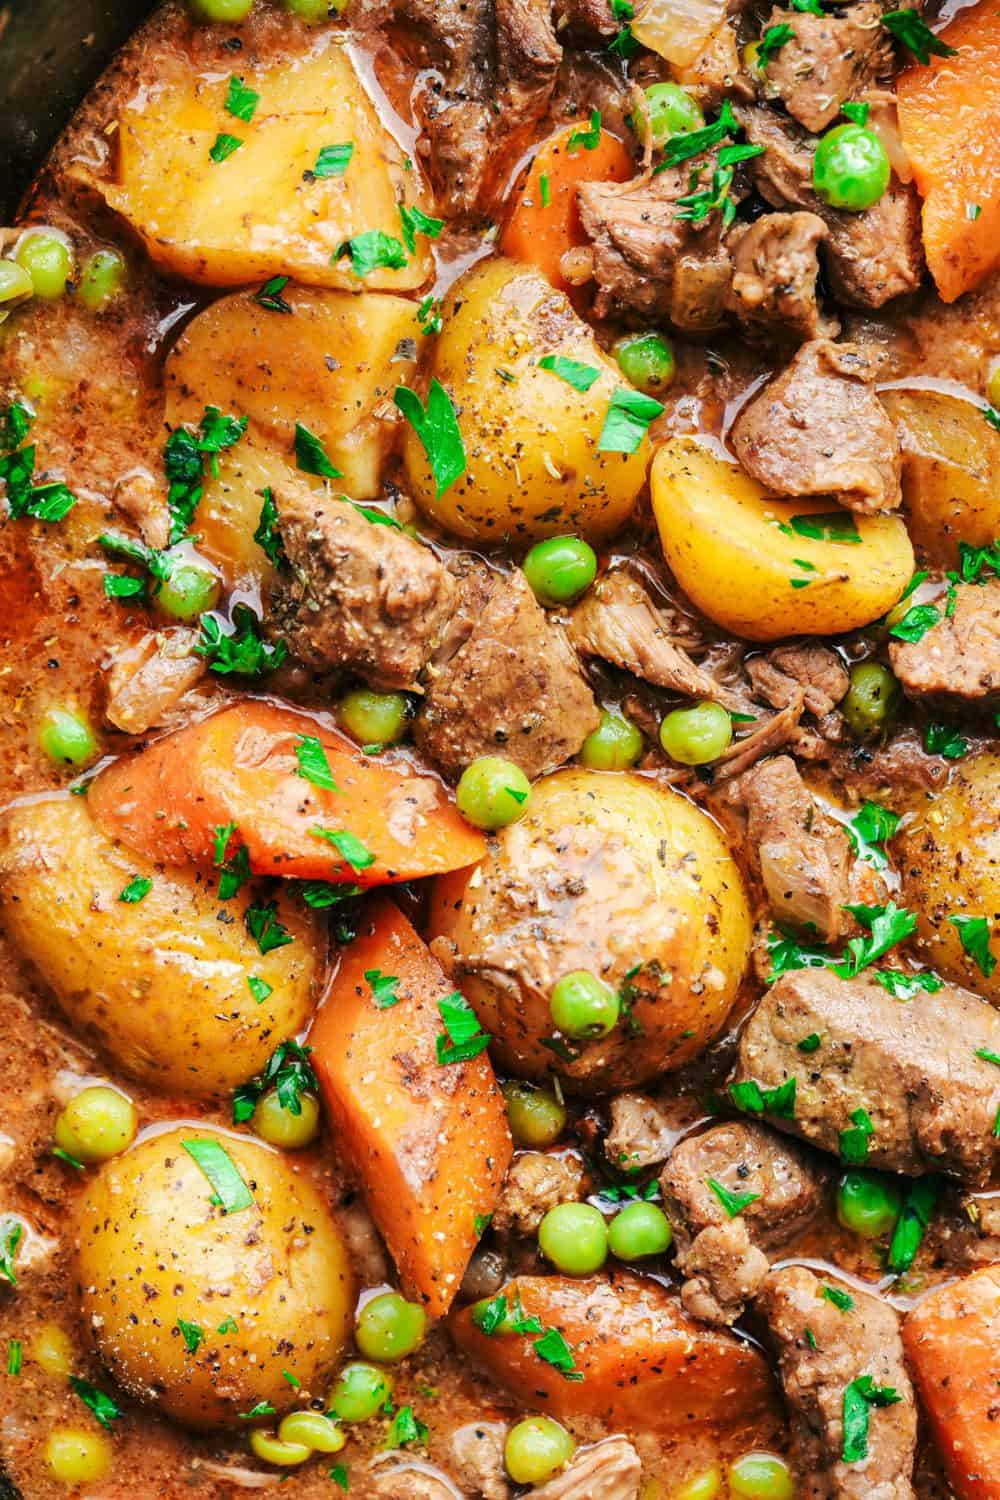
column 818, row 671
column 800, row 852
column 775, row 266
column 911, row 1067
column 724, row 1257
column 641, row 1133
column 827, row 59
column 617, row 620
column 513, row 688
column 587, row 20
column 610, row 1470
column 357, row 596
column 818, row 428
column 477, row 1459
column 535, row 1182
column 846, row 1344
column 957, row 662
column 649, row 261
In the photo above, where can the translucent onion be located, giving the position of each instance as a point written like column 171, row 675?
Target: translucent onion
column 677, row 29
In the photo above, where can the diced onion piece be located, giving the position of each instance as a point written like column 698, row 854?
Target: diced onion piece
column 677, row 29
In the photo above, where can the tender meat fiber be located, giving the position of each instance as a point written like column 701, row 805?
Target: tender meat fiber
column 801, row 854
column 869, row 257
column 476, row 1459
column 818, row 428
column 535, row 1182
column 816, row 670
column 641, row 1133
column 609, row 1471
column 966, row 1230
column 513, row 688
column 775, row 266
column 826, row 60
column 724, row 1257
column 357, row 596
column 406, row 1482
column 911, row 1067
column 148, row 681
column 586, row 19
column 649, row 261
column 618, row 621
column 846, row 1344
column 957, row 661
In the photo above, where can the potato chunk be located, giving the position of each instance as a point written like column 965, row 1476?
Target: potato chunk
column 260, row 210
column 765, row 567
column 158, row 981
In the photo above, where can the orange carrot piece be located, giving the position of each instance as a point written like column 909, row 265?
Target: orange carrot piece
column 240, row 766
column 645, row 1364
column 428, row 1140
column 545, row 222
column 949, row 120
column 952, row 1339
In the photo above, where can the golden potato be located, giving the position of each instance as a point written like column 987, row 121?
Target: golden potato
column 751, row 562
column 160, row 983
column 199, row 1310
column 951, row 459
column 949, row 856
column 613, row 874
column 260, row 211
column 531, row 439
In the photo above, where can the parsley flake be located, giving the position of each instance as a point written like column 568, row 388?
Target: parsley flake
column 414, row 222
column 223, row 147
column 944, row 739
column 269, row 295
column 268, row 533
column 357, row 854
column 627, row 422
column 311, row 456
column 192, row 1334
column 217, row 1166
column 839, row 1298
column 14, row 1357
column 589, row 138
column 289, row 1072
column 333, row 161
column 463, row 1037
column 974, row 935
column 868, row 832
column 581, row 377
column 240, row 650
column 682, row 147
column 830, row 526
column 406, row 1428
column 780, row 1101
column 11, row 1234
column 908, row 27
column 853, row 1143
column 437, row 430
column 240, row 100
column 373, row 251
column 916, row 622
column 773, row 38
column 313, row 763
column 733, row 1203
column 261, row 921
column 102, row 1406
column 383, row 988
column 138, row 888
column 859, row 1397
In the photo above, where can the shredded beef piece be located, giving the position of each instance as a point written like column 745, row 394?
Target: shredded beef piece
column 912, row 1067
column 775, row 266
column 148, row 681
column 828, row 59
column 586, row 19
column 818, row 428
column 608, row 1471
column 815, row 669
column 357, row 596
column 957, row 662
column 405, row 1482
column 966, row 1231
column 722, row 1255
column 513, row 688
column 476, row 1452
column 801, row 854
column 536, row 1181
column 846, row 1344
column 641, row 1134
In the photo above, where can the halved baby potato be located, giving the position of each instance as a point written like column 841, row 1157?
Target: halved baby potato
column 764, row 567
column 224, row 215
column 152, row 975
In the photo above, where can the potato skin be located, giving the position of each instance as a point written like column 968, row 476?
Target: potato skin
column 153, row 1249
column 949, row 856
column 534, row 469
column 160, row 985
column 606, row 871
column 720, row 533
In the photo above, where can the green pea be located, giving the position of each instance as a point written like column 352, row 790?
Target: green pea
column 269, row 1447
column 536, row 1449
column 698, row 735
column 537, row 1118
column 670, row 110
column 15, row 283
column 851, row 168
column 574, row 1237
column 388, row 1327
column 101, row 279
column 583, row 1007
column 992, row 384
column 374, row 718
column 76, row 1456
column 221, row 10
column 308, row 10
column 614, row 745
column 188, row 591
column 560, row 569
column 313, row 1430
column 704, row 1486
column 872, row 701
column 647, row 361
column 67, row 738
column 279, row 1127
column 48, row 260
column 868, row 1204
column 96, row 1124
column 360, row 1393
column 640, row 1229
column 761, row 1476
column 492, row 792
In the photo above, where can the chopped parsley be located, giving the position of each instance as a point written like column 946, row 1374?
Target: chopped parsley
column 904, row 985
column 43, row 502
column 887, row 925
column 778, row 1101
column 268, row 533
column 223, row 147
column 988, row 1056
column 261, row 921
column 908, row 27
column 11, row 1234
column 350, row 848
column 333, row 161
column 15, row 425
column 944, row 739
column 788, row 954
column 241, row 101
column 262, row 1409
column 481, row 1223
column 339, row 1476
column 429, row 315
column 916, row 622
column 414, row 222
column 733, row 1203
column 830, row 526
column 242, row 650
column 311, row 456
column 589, row 138
column 974, row 561
column 463, row 1038
column 313, row 764
column 373, row 251
column 183, row 462
column 869, row 830
column 102, row 1406
column 259, row 988
column 859, row 1397
column 212, row 1159
column 495, row 1317
column 192, row 1334
column 138, row 888
column 235, row 870
column 773, row 38
column 682, row 147
column 14, row 1357
column 406, row 1428
column 553, row 1349
column 974, row 936
column 623, row 44
column 627, row 422
column 544, row 190
column 228, row 1325
column 853, row 1144
column 839, row 1298
column 437, row 430
column 320, row 895
column 810, row 1043
column 581, row 377
column 854, row 111
column 383, row 988
column 288, row 1071
column 269, row 295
